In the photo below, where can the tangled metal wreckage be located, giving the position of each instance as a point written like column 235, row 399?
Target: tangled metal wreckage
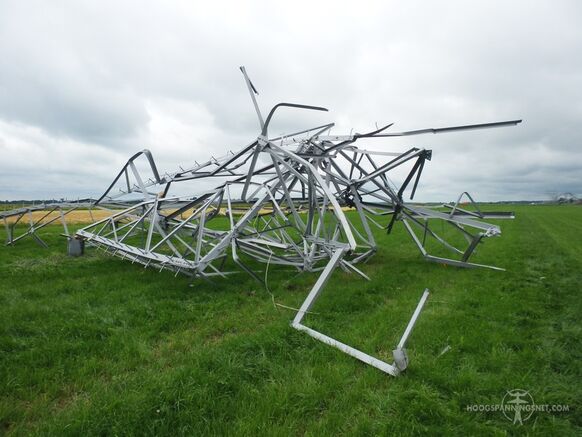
column 278, row 201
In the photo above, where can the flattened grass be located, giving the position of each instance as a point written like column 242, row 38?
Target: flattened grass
column 95, row 345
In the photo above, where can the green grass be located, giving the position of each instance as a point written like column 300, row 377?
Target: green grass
column 95, row 345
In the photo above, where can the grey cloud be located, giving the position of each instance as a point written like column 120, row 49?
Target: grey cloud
column 87, row 71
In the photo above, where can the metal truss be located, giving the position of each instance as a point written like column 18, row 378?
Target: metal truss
column 283, row 201
column 47, row 213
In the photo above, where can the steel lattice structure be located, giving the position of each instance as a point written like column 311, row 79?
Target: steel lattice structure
column 48, row 214
column 283, row 201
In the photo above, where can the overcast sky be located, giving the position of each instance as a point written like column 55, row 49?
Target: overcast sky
column 84, row 85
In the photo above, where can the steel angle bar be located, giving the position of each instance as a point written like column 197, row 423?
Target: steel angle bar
column 384, row 188
column 450, row 129
column 292, row 137
column 318, row 287
column 363, row 217
column 252, row 92
column 264, row 131
column 456, row 263
column 414, row 238
column 282, row 185
column 459, row 212
column 413, row 319
column 368, row 359
column 242, row 265
column 399, row 354
column 433, row 234
column 32, row 229
column 401, row 360
column 468, row 235
column 386, row 202
column 363, row 257
column 465, row 255
column 119, row 214
column 456, row 210
column 136, row 223
column 355, row 269
column 383, row 175
column 153, row 216
column 230, row 236
column 369, row 211
column 372, row 152
column 51, row 210
column 337, row 209
column 251, row 170
column 429, row 213
column 189, row 249
column 8, row 231
column 280, row 161
column 123, row 171
column 476, row 240
column 405, row 157
column 456, row 207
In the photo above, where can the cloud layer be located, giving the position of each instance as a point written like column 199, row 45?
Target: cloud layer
column 83, row 85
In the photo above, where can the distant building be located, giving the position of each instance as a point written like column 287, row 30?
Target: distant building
column 567, row 198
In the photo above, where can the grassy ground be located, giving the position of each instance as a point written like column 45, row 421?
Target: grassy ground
column 95, row 345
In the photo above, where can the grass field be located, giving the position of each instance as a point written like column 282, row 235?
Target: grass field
column 95, row 345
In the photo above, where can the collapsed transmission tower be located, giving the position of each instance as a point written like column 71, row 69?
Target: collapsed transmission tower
column 283, row 201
